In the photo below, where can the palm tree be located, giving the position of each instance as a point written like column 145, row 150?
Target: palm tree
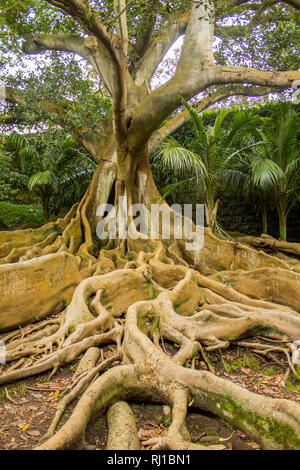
column 238, row 176
column 273, row 169
column 207, row 160
column 55, row 179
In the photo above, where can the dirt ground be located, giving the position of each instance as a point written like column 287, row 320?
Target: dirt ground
column 27, row 407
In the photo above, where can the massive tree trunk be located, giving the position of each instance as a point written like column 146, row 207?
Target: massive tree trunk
column 165, row 299
column 139, row 292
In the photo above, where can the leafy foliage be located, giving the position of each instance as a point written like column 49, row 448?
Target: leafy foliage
column 264, row 169
column 273, row 170
column 14, row 215
column 206, row 160
column 54, row 170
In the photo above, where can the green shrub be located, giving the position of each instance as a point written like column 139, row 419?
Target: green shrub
column 14, row 215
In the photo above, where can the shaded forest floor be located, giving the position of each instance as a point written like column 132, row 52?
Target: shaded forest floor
column 27, row 407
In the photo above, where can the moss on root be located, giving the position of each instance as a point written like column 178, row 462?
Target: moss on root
column 145, row 307
column 292, row 382
column 264, row 428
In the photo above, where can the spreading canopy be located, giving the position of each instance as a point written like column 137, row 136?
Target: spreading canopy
column 230, row 47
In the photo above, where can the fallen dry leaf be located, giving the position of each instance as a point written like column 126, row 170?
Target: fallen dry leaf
column 34, row 433
column 253, row 444
column 146, row 434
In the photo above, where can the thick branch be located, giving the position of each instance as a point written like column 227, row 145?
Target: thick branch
column 36, row 45
column 194, row 73
column 120, row 9
column 160, row 46
column 89, row 49
column 82, row 12
column 164, row 100
column 238, row 74
column 215, row 97
column 198, row 42
column 89, row 19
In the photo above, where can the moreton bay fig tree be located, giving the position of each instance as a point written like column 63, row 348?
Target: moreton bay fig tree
column 138, row 292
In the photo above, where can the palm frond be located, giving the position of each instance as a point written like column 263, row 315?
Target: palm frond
column 236, row 179
column 242, row 123
column 222, row 114
column 287, row 138
column 75, row 157
column 24, row 150
column 177, row 186
column 195, row 117
column 292, row 174
column 231, row 157
column 181, row 160
column 266, row 172
column 41, row 178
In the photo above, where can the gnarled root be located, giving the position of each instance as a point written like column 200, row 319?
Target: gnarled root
column 153, row 375
column 177, row 437
column 122, row 433
column 84, row 380
column 87, row 315
column 270, row 244
column 62, row 356
column 146, row 301
column 115, row 384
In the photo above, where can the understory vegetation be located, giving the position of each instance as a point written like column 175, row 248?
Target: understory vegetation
column 48, row 169
column 239, row 152
column 13, row 215
column 255, row 155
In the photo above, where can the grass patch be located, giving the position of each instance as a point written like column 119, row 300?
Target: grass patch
column 243, row 361
column 272, row 370
column 18, row 389
column 14, row 215
column 292, row 382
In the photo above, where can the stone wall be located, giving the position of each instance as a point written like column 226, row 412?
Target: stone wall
column 236, row 214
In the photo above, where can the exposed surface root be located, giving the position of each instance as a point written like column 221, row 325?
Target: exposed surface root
column 270, row 244
column 22, row 245
column 122, row 428
column 83, row 381
column 280, row 286
column 161, row 316
column 177, row 437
